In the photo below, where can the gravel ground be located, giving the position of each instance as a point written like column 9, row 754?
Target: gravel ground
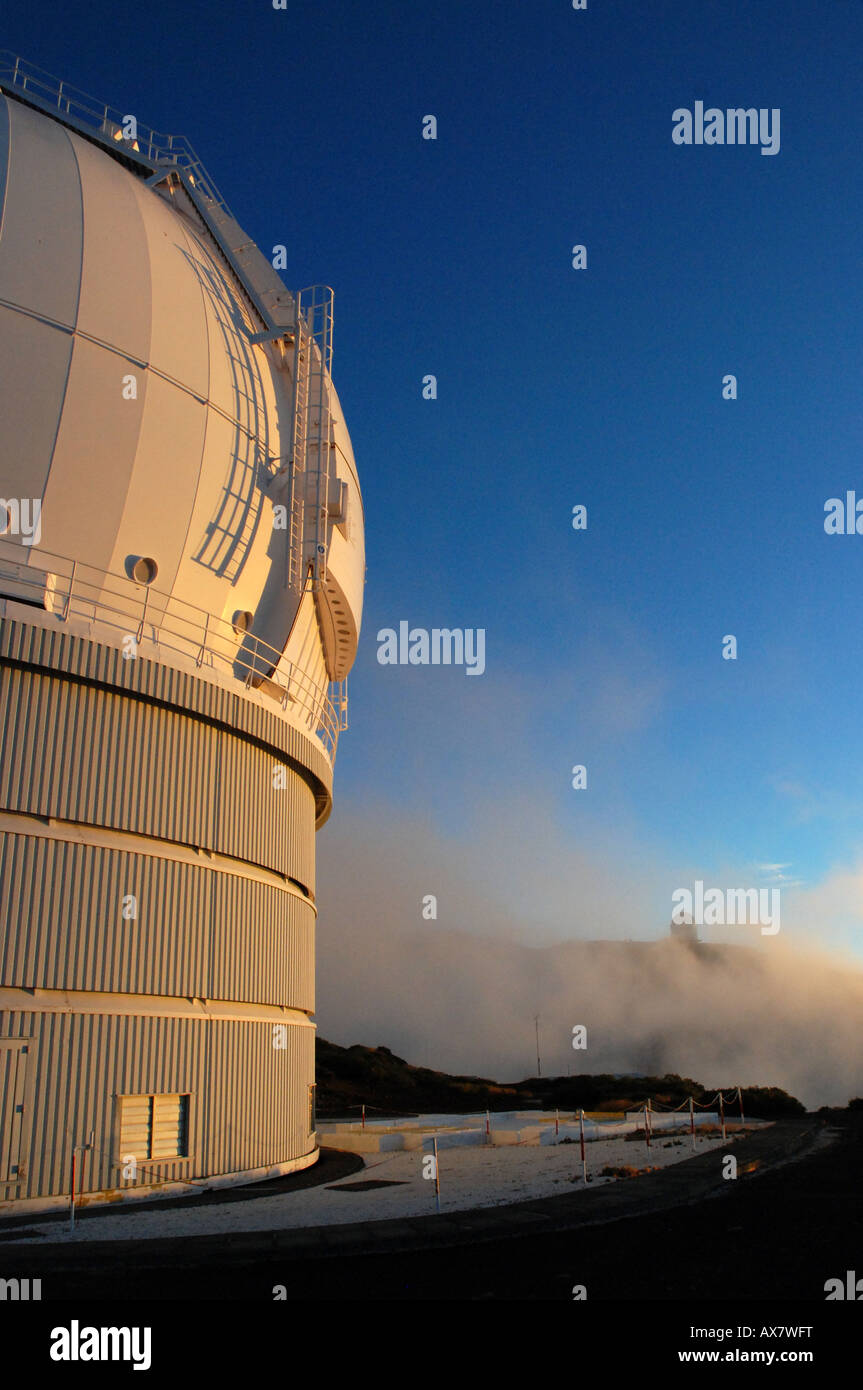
column 469, row 1178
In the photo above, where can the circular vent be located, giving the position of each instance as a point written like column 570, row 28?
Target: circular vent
column 241, row 621
column 144, row 569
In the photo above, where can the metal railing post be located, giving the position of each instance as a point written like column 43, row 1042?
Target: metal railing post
column 71, row 587
column 143, row 615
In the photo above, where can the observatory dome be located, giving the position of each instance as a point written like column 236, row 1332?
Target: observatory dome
column 181, row 584
column 142, row 414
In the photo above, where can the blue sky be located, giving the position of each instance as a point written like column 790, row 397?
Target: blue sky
column 557, row 387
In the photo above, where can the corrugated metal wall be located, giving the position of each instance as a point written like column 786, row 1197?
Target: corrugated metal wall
column 82, row 753
column 249, row 1106
column 199, row 932
column 110, row 755
column 57, row 650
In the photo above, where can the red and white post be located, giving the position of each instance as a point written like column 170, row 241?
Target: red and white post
column 436, row 1177
column 583, row 1155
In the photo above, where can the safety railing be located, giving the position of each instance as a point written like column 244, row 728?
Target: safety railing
column 89, row 114
column 69, row 589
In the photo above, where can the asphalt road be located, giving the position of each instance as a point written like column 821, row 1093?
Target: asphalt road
column 777, row 1232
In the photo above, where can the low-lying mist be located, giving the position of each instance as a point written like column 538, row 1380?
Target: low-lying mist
column 463, row 998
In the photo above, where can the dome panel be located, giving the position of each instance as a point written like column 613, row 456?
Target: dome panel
column 162, row 487
column 115, row 279
column 227, row 522
column 178, row 334
column 34, row 365
column 239, row 381
column 4, row 153
column 40, row 249
column 93, row 457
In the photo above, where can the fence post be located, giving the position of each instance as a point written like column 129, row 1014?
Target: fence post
column 583, row 1155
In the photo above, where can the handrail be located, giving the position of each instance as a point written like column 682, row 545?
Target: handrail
column 72, row 589
column 52, row 94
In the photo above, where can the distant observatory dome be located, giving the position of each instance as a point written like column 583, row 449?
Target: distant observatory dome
column 181, row 585
column 684, row 929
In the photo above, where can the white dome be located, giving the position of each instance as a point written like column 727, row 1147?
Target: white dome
column 136, row 407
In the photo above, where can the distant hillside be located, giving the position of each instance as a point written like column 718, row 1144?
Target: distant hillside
column 349, row 1077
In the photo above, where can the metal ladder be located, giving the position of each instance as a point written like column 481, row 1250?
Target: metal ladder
column 315, row 328
column 296, row 504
